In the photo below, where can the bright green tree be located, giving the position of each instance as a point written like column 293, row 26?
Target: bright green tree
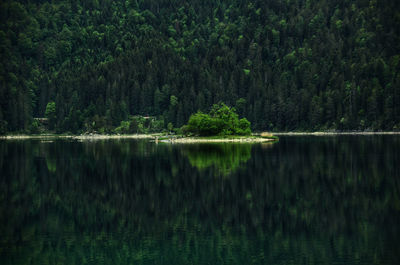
column 222, row 120
column 50, row 114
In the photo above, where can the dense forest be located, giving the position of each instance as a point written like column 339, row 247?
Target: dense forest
column 283, row 64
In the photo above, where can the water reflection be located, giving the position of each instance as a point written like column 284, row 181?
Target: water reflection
column 222, row 158
column 308, row 200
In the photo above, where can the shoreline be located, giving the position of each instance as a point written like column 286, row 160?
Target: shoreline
column 79, row 137
column 332, row 133
column 155, row 136
column 192, row 140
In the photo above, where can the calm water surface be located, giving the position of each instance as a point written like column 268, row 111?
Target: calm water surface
column 303, row 200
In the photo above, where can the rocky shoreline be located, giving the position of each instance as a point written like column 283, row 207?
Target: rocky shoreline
column 80, row 137
column 190, row 140
column 160, row 138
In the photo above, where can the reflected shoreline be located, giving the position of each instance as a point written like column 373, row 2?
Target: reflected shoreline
column 303, row 200
column 223, row 158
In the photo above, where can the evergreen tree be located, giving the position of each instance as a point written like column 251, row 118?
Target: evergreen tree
column 286, row 65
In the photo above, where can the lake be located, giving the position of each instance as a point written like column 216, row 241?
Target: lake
column 302, row 200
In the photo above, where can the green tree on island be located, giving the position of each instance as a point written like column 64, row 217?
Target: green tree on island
column 221, row 120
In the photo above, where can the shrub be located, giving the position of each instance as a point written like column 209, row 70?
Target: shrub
column 244, row 127
column 34, row 128
column 222, row 120
column 123, row 128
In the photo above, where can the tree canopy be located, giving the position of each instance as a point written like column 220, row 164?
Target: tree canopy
column 285, row 65
column 221, row 120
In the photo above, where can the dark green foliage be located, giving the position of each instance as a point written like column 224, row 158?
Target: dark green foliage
column 139, row 124
column 123, row 128
column 50, row 114
column 34, row 128
column 222, row 120
column 286, row 65
column 3, row 127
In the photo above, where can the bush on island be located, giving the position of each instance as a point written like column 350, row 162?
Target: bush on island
column 222, row 120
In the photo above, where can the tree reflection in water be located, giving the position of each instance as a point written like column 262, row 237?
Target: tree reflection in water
column 304, row 200
column 222, row 158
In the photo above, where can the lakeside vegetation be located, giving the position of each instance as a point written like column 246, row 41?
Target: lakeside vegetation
column 221, row 124
column 221, row 120
column 285, row 65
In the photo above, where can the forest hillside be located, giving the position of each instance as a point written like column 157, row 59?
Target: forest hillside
column 283, row 64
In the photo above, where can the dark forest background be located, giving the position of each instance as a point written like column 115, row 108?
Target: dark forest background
column 283, row 64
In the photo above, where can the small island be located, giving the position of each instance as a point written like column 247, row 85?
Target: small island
column 221, row 124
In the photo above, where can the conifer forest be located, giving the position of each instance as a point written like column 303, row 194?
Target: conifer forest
column 285, row 65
